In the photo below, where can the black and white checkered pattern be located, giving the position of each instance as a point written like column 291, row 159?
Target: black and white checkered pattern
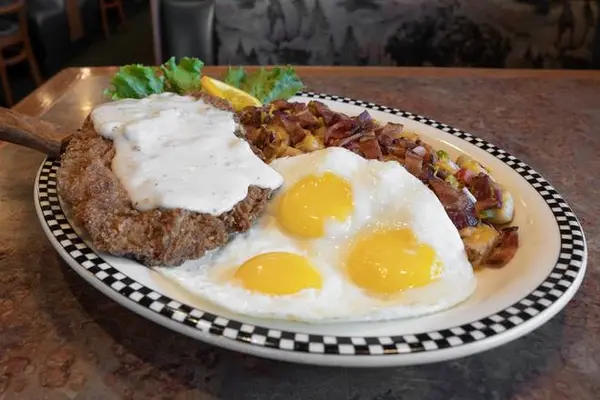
column 567, row 268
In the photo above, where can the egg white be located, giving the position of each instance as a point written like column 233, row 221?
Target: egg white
column 384, row 194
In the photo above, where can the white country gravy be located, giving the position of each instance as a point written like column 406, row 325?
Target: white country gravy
column 180, row 152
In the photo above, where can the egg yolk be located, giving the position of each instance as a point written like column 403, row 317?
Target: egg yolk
column 306, row 206
column 390, row 260
column 278, row 273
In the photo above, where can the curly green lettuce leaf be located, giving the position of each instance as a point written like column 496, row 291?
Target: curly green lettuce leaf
column 284, row 83
column 135, row 82
column 182, row 77
column 267, row 85
column 258, row 84
column 235, row 76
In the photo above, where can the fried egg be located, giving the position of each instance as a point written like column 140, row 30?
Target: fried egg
column 344, row 239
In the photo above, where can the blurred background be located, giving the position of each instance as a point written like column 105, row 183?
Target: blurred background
column 40, row 37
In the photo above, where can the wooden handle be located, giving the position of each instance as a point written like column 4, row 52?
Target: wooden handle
column 32, row 132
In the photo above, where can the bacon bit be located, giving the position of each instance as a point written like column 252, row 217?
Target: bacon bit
column 281, row 105
column 462, row 218
column 338, row 131
column 252, row 133
column 390, row 130
column 291, row 125
column 298, row 108
column 348, row 130
column 488, row 195
column 396, row 150
column 354, row 147
column 458, row 206
column 306, row 119
column 370, row 148
column 251, row 116
column 505, row 249
column 385, row 142
column 346, row 141
column 396, row 147
column 321, row 110
column 406, row 143
column 413, row 163
column 365, row 122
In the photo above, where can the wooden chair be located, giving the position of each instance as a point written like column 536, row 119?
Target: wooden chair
column 105, row 5
column 18, row 37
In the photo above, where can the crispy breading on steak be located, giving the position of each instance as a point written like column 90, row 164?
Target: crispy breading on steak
column 157, row 237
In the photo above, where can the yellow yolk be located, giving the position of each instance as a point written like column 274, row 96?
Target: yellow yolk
column 390, row 260
column 307, row 205
column 278, row 273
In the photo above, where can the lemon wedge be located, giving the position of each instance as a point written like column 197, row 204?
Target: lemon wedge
column 238, row 98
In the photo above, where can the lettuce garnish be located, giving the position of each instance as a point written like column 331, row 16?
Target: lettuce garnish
column 136, row 81
column 183, row 77
column 267, row 85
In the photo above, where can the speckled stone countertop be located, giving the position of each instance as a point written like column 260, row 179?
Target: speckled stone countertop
column 62, row 339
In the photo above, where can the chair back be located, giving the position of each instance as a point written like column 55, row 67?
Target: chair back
column 183, row 28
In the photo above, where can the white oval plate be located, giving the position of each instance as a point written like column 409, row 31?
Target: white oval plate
column 508, row 303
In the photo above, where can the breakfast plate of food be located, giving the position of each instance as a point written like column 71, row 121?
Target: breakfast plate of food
column 305, row 227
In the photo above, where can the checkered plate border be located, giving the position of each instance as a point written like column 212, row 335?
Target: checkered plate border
column 567, row 268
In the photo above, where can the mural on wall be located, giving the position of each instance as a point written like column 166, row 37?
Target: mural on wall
column 491, row 33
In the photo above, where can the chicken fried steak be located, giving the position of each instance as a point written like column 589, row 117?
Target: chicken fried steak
column 160, row 236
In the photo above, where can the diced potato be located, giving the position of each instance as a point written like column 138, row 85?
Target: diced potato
column 309, row 143
column 479, row 241
column 280, row 132
column 319, row 133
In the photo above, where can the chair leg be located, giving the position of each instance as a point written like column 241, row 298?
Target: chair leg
column 5, row 85
column 104, row 21
column 33, row 66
